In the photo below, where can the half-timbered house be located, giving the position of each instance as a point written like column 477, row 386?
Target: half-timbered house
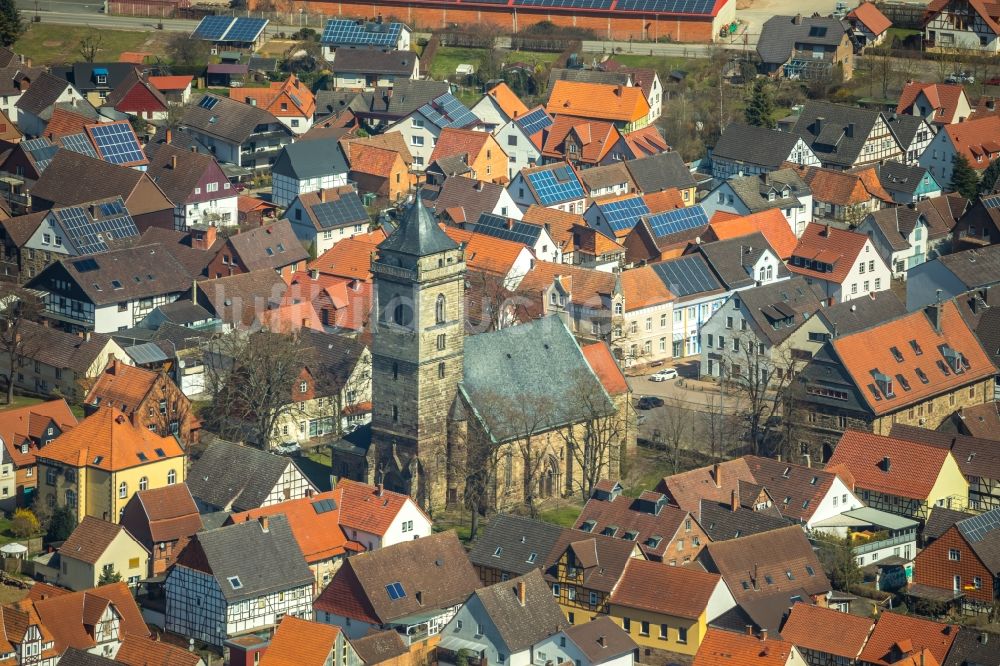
column 962, row 24
column 844, row 137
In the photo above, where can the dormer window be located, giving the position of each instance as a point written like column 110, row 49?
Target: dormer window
column 954, row 358
column 884, row 383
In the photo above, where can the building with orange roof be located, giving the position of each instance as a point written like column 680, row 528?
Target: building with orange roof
column 507, row 260
column 64, row 122
column 176, row 89
column 478, row 152
column 770, row 223
column 976, row 139
column 625, row 107
column 24, row 432
column 844, row 264
column 143, row 651
column 561, row 226
column 899, row 637
column 290, row 101
column 499, row 106
column 584, row 142
column 728, row 648
column 96, row 467
column 645, row 142
column 343, row 304
column 351, row 257
column 298, row 642
column 150, row 400
column 938, row 103
column 869, row 25
column 95, row 620
column 916, row 369
column 844, row 196
column 24, row 634
column 824, row 635
column 378, row 518
column 381, row 170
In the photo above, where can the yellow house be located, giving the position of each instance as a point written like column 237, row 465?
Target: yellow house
column 97, row 466
column 98, row 548
column 586, row 571
column 667, row 608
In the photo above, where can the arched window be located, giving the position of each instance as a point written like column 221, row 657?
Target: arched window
column 171, row 477
column 122, row 490
column 439, row 310
column 143, row 483
column 71, row 498
column 618, row 308
column 770, row 272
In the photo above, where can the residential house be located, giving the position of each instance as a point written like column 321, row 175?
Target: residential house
column 554, row 185
column 236, row 133
column 307, row 166
column 976, row 139
column 502, row 622
column 971, row 647
column 899, row 235
column 111, row 291
column 908, row 184
column 522, row 139
column 27, row 640
column 625, row 107
column 343, row 304
column 951, row 275
column 608, row 181
column 782, row 189
column 462, row 200
column 414, row 588
column 149, row 399
column 96, row 80
column 24, row 431
column 611, row 72
column 978, row 227
column 237, row 579
column 535, row 237
column 196, row 184
column 913, row 134
column 323, row 218
column 140, row 651
column 861, row 313
column 664, row 533
column 844, row 196
column 907, row 638
column 136, row 96
column 844, row 265
column 768, row 329
column 942, row 215
column 96, row 467
column 371, row 68
column 175, row 89
column 422, row 127
column 805, row 47
column 728, row 647
column 645, row 142
column 869, row 26
column 99, row 549
column 274, row 246
column 666, row 608
column 16, row 76
column 380, row 165
column 502, row 262
column 663, row 172
column 593, row 643
column 889, row 478
column 474, row 154
column 510, row 546
column 377, row 518
column 696, row 299
column 583, row 142
column 615, row 218
column 745, row 150
column 937, row 103
column 499, row 106
column 298, row 642
column 767, row 572
column 290, row 101
column 232, row 477
column 668, row 234
column 351, row 257
column 960, row 24
column 742, row 263
column 769, row 223
column 34, row 107
column 876, row 537
column 349, row 34
column 162, row 520
column 844, row 137
column 824, row 635
column 406, row 96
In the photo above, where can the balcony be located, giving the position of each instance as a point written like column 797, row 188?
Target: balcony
column 872, row 546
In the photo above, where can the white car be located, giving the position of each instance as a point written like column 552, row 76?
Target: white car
column 663, row 375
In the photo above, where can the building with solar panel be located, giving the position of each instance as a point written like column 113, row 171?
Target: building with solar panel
column 422, row 127
column 551, row 186
column 368, row 69
column 342, row 33
column 521, row 139
column 616, row 218
column 231, row 32
column 321, row 219
column 699, row 294
column 237, row 134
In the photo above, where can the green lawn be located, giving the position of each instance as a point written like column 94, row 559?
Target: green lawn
column 19, row 401
column 5, row 534
column 564, row 515
column 659, row 63
column 49, row 44
column 448, row 58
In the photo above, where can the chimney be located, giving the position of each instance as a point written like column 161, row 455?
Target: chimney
column 850, row 130
column 111, row 362
column 763, row 635
column 520, row 593
column 86, row 336
column 322, row 195
column 825, row 231
column 263, row 524
column 619, row 90
column 749, row 629
column 204, row 238
column 934, row 314
column 886, row 464
column 734, row 501
column 602, row 641
column 717, row 475
column 169, row 136
column 173, row 162
column 991, row 103
column 819, row 121
column 809, row 461
column 797, row 19
column 378, row 490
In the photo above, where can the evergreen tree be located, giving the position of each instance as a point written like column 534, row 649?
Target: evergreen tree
column 11, row 26
column 989, row 179
column 760, row 106
column 109, row 575
column 963, row 177
column 61, row 524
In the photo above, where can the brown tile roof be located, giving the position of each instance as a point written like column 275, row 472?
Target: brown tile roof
column 982, row 421
column 597, row 101
column 649, row 517
column 72, row 178
column 144, row 651
column 601, row 640
column 392, row 141
column 841, row 188
column 602, row 558
column 687, row 489
column 363, row 508
column 594, row 138
column 171, row 512
column 351, row 298
column 829, row 245
column 291, row 90
column 351, row 257
column 727, row 648
column 976, row 457
column 909, row 350
column 107, row 440
column 380, row 646
column 587, row 286
column 913, row 466
column 90, row 540
column 643, row 288
column 373, row 160
column 455, row 142
column 894, row 629
column 660, row 588
column 942, row 213
column 68, row 614
column 20, row 229
column 507, row 100
column 19, row 424
column 559, row 223
column 122, row 386
column 272, row 246
column 179, row 182
column 301, row 643
column 603, row 363
column 803, row 487
column 771, row 223
column 826, row 630
column 607, row 175
column 944, row 98
column 236, row 299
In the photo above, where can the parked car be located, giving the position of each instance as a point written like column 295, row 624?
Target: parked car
column 663, row 375
column 649, row 402
column 960, row 77
column 288, row 448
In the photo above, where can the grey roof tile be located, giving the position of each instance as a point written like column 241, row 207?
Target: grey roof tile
column 757, row 146
column 42, row 94
column 229, row 119
column 841, row 134
column 521, row 626
column 374, row 61
column 781, row 33
column 235, row 477
column 862, row 313
column 771, row 303
column 311, row 159
column 660, row 172
column 898, row 177
column 517, row 538
column 733, row 259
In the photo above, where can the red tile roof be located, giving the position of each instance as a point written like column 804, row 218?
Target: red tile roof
column 67, row 615
column 144, row 651
column 829, row 245
column 870, row 16
column 90, row 540
column 301, row 643
column 603, row 364
column 19, row 424
column 843, row 188
column 643, row 288
column 171, row 512
column 907, row 347
column 645, row 142
column 595, row 139
column 351, row 298
column 170, row 83
column 297, row 98
column 64, row 122
column 367, row 508
column 893, row 629
column 987, row 11
column 664, row 200
column 351, row 257
column 826, row 630
column 771, row 223
column 454, row 142
column 977, row 138
column 486, row 253
column 727, row 648
column 913, row 467
column 598, row 101
column 121, row 386
column 660, row 588
column 508, row 102
column 687, row 489
column 943, row 97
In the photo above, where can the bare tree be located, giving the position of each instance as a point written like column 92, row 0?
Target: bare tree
column 186, row 50
column 595, row 445
column 91, row 45
column 672, row 425
column 719, row 424
column 489, row 304
column 251, row 379
column 19, row 309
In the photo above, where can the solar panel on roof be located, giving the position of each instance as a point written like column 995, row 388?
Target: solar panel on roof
column 447, row 111
column 117, row 143
column 341, row 32
column 574, row 4
column 213, row 27
column 78, row 143
column 675, row 221
column 534, row 122
column 500, row 227
column 624, row 213
column 116, row 207
column 85, row 265
column 976, row 528
column 667, row 6
column 245, row 29
column 208, row 102
column 32, row 145
column 686, row 275
column 91, row 236
column 348, row 209
column 991, row 201
column 551, row 189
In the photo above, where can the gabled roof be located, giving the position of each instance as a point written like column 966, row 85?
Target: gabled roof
column 861, row 313
column 826, row 630
column 121, row 386
column 72, row 178
column 722, row 523
column 755, row 146
column 982, row 533
column 369, row 508
column 19, row 425
column 603, row 559
column 835, row 132
column 486, row 253
column 658, row 588
column 143, row 651
column 351, row 257
column 606, row 175
column 597, row 101
column 896, row 224
column 170, row 512
column 235, row 477
column 468, row 196
column 71, row 616
column 42, row 94
column 797, row 490
column 594, row 138
column 301, row 643
column 374, row 61
column 249, row 559
column 978, row 139
column 728, row 648
column 521, row 625
column 904, row 178
column 455, row 142
column 843, row 188
column 604, row 365
column 507, row 101
column 272, row 246
column 828, row 245
column 645, row 142
column 317, row 158
column 508, row 542
column 237, row 299
column 771, row 223
column 774, row 189
column 988, row 12
column 642, row 288
column 131, row 81
column 647, row 521
column 781, row 34
column 913, row 467
column 660, row 172
column 734, row 260
column 940, row 520
column 171, row 83
column 714, row 482
column 776, row 310
column 179, row 182
column 227, row 119
column 90, row 540
column 943, row 99
column 895, row 629
column 869, row 16
column 404, row 579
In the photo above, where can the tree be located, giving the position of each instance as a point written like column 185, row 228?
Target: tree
column 719, row 425
column 838, row 560
column 91, row 45
column 20, row 309
column 251, row 379
column 963, row 177
column 109, row 575
column 25, row 524
column 989, row 180
column 760, row 106
column 489, row 304
column 672, row 424
column 185, row 50
column 11, row 25
column 61, row 524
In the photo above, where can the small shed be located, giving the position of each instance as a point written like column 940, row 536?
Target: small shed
column 225, row 74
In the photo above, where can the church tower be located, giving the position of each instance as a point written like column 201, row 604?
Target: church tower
column 417, row 356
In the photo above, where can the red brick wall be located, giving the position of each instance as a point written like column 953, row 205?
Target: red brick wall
column 932, row 567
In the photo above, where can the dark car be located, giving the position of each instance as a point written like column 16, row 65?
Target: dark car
column 649, row 402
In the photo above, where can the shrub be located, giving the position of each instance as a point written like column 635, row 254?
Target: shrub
column 25, row 524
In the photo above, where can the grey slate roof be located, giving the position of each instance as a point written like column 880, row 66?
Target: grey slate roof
column 75, row 657
column 606, row 175
column 229, row 120
column 587, row 76
column 978, row 267
column 733, row 259
column 408, row 95
column 898, row 177
column 519, row 626
column 660, row 172
column 374, row 61
column 379, row 647
column 721, row 523
column 972, row 647
column 771, row 303
column 60, row 349
column 418, row 234
column 862, row 313
column 311, row 159
column 265, row 561
column 896, row 224
column 517, row 537
column 757, row 146
column 781, row 33
column 273, row 246
column 42, row 94
column 940, row 521
column 234, row 477
column 601, row 640
column 753, row 190
column 503, row 364
column 475, row 197
column 904, row 127
column 183, row 312
column 830, row 139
